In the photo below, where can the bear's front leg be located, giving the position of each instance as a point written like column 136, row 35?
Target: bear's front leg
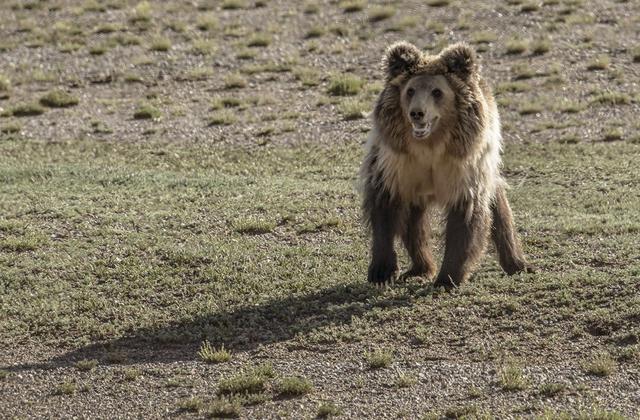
column 383, row 214
column 465, row 239
column 415, row 236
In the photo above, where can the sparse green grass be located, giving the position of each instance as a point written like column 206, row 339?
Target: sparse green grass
column 250, row 381
column 259, row 40
column 235, row 81
column 5, row 85
column 352, row 6
column 203, row 46
column 222, row 117
column 99, row 49
column 540, row 46
column 530, row 6
column 254, row 226
column 146, row 111
column 513, row 87
column 26, row 110
column 345, row 85
column 522, row 72
column 611, row 98
column 160, row 43
column 511, row 378
column 378, row 359
column 591, row 414
column 224, row 408
column 86, row 365
column 380, row 13
column 59, row 99
column 207, row 22
column 3, row 374
column 552, row 388
column 65, row 388
column 11, row 128
column 601, row 364
column 326, row 410
column 571, row 107
column 192, row 405
column 405, row 380
column 438, row 3
column 516, row 46
column 141, row 13
column 307, row 76
column 613, row 134
column 483, row 37
column 131, row 374
column 234, row 4
column 211, row 355
column 601, row 62
column 293, row 386
column 529, row 108
column 353, row 109
column 315, row 32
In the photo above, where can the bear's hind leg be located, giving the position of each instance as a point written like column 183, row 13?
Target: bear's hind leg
column 465, row 240
column 505, row 237
column 415, row 236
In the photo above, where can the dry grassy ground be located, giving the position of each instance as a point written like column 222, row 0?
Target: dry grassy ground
column 179, row 223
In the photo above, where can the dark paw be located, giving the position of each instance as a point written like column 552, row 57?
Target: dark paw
column 382, row 273
column 519, row 267
column 446, row 282
column 425, row 272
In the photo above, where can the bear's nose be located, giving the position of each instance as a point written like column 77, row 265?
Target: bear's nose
column 416, row 115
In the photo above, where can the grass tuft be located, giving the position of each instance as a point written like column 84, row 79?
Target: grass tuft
column 380, row 13
column 611, row 98
column 26, row 110
column 516, row 46
column 293, row 386
column 601, row 62
column 352, row 6
column 345, row 85
column 250, row 381
column 328, row 409
column 146, row 111
column 209, row 354
column 378, row 359
column 259, row 40
column 192, row 405
column 86, row 365
column 235, row 81
column 511, row 378
column 552, row 388
column 438, row 3
column 602, row 364
column 161, row 44
column 405, row 380
column 353, row 109
column 224, row 408
column 254, row 226
column 59, row 99
column 222, row 117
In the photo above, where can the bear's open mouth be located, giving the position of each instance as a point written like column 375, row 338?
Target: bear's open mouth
column 423, row 130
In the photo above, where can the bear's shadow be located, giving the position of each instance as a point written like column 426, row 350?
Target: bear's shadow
column 242, row 329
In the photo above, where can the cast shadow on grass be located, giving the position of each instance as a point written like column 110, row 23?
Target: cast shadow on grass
column 240, row 329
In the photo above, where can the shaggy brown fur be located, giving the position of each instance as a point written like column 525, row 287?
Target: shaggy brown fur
column 436, row 141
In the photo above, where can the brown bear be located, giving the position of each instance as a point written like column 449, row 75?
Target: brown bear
column 436, row 142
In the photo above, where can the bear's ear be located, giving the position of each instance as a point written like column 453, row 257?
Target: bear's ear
column 401, row 57
column 461, row 60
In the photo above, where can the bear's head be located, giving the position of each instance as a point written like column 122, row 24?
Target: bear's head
column 428, row 92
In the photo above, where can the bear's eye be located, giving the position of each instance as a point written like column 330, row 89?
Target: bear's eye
column 437, row 93
column 411, row 91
